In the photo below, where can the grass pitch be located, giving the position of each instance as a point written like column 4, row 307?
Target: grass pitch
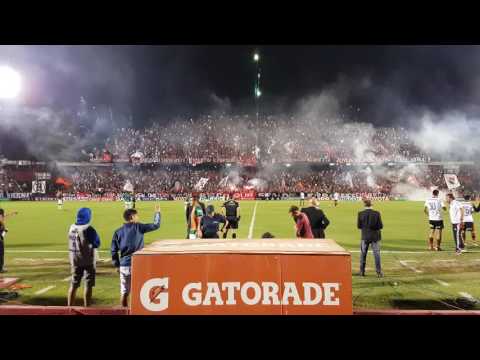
column 36, row 251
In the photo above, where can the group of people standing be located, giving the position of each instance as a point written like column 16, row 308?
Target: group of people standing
column 204, row 223
column 83, row 239
column 461, row 212
column 311, row 222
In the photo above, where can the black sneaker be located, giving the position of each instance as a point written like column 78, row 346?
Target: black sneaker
column 3, row 271
column 360, row 274
column 380, row 275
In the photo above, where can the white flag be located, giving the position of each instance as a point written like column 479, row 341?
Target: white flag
column 348, row 179
column 128, row 186
column 201, row 183
column 223, row 182
column 39, row 187
column 452, row 181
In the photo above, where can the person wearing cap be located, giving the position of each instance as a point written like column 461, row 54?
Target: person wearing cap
column 210, row 224
column 370, row 223
column 3, row 233
column 82, row 242
column 303, row 228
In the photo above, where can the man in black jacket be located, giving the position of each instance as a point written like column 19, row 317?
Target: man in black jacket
column 370, row 222
column 318, row 220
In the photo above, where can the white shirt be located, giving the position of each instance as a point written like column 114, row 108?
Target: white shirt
column 302, row 195
column 434, row 206
column 455, row 212
column 335, row 196
column 467, row 211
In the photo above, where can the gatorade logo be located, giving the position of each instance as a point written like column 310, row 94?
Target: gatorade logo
column 154, row 294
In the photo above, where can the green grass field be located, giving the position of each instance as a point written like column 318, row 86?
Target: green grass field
column 36, row 251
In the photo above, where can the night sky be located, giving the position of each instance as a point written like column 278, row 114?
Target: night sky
column 160, row 82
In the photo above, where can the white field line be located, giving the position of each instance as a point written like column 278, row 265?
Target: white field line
column 24, row 259
column 252, row 223
column 405, row 263
column 443, row 283
column 467, row 296
column 44, row 290
column 453, row 260
column 67, row 278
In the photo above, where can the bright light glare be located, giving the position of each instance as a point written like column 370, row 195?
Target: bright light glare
column 256, row 57
column 10, row 83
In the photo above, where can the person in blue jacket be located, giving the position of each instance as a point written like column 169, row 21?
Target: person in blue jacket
column 127, row 240
column 82, row 242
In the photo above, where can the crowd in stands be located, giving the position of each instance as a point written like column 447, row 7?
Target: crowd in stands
column 342, row 179
column 273, row 139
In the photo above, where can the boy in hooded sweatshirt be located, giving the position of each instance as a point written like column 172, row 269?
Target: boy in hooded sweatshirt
column 82, row 242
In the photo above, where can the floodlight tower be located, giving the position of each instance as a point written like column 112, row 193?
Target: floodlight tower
column 257, row 93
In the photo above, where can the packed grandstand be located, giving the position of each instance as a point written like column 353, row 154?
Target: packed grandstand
column 274, row 158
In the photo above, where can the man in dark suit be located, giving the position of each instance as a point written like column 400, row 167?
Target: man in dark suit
column 370, row 222
column 318, row 220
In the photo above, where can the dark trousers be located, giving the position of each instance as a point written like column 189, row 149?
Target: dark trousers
column 376, row 253
column 318, row 233
column 210, row 236
column 457, row 237
column 2, row 254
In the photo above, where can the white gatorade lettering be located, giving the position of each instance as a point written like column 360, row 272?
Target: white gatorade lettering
column 291, row 292
column 257, row 293
column 270, row 293
column 230, row 287
column 307, row 293
column 196, row 297
column 330, row 298
column 213, row 291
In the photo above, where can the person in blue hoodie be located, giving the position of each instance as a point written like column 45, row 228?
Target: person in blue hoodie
column 82, row 242
column 127, row 240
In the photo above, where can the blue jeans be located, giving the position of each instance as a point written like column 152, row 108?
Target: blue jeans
column 376, row 253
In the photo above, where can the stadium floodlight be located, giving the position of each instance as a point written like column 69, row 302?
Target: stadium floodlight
column 256, row 57
column 10, row 83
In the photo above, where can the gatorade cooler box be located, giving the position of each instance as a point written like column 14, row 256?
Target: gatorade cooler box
column 242, row 277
